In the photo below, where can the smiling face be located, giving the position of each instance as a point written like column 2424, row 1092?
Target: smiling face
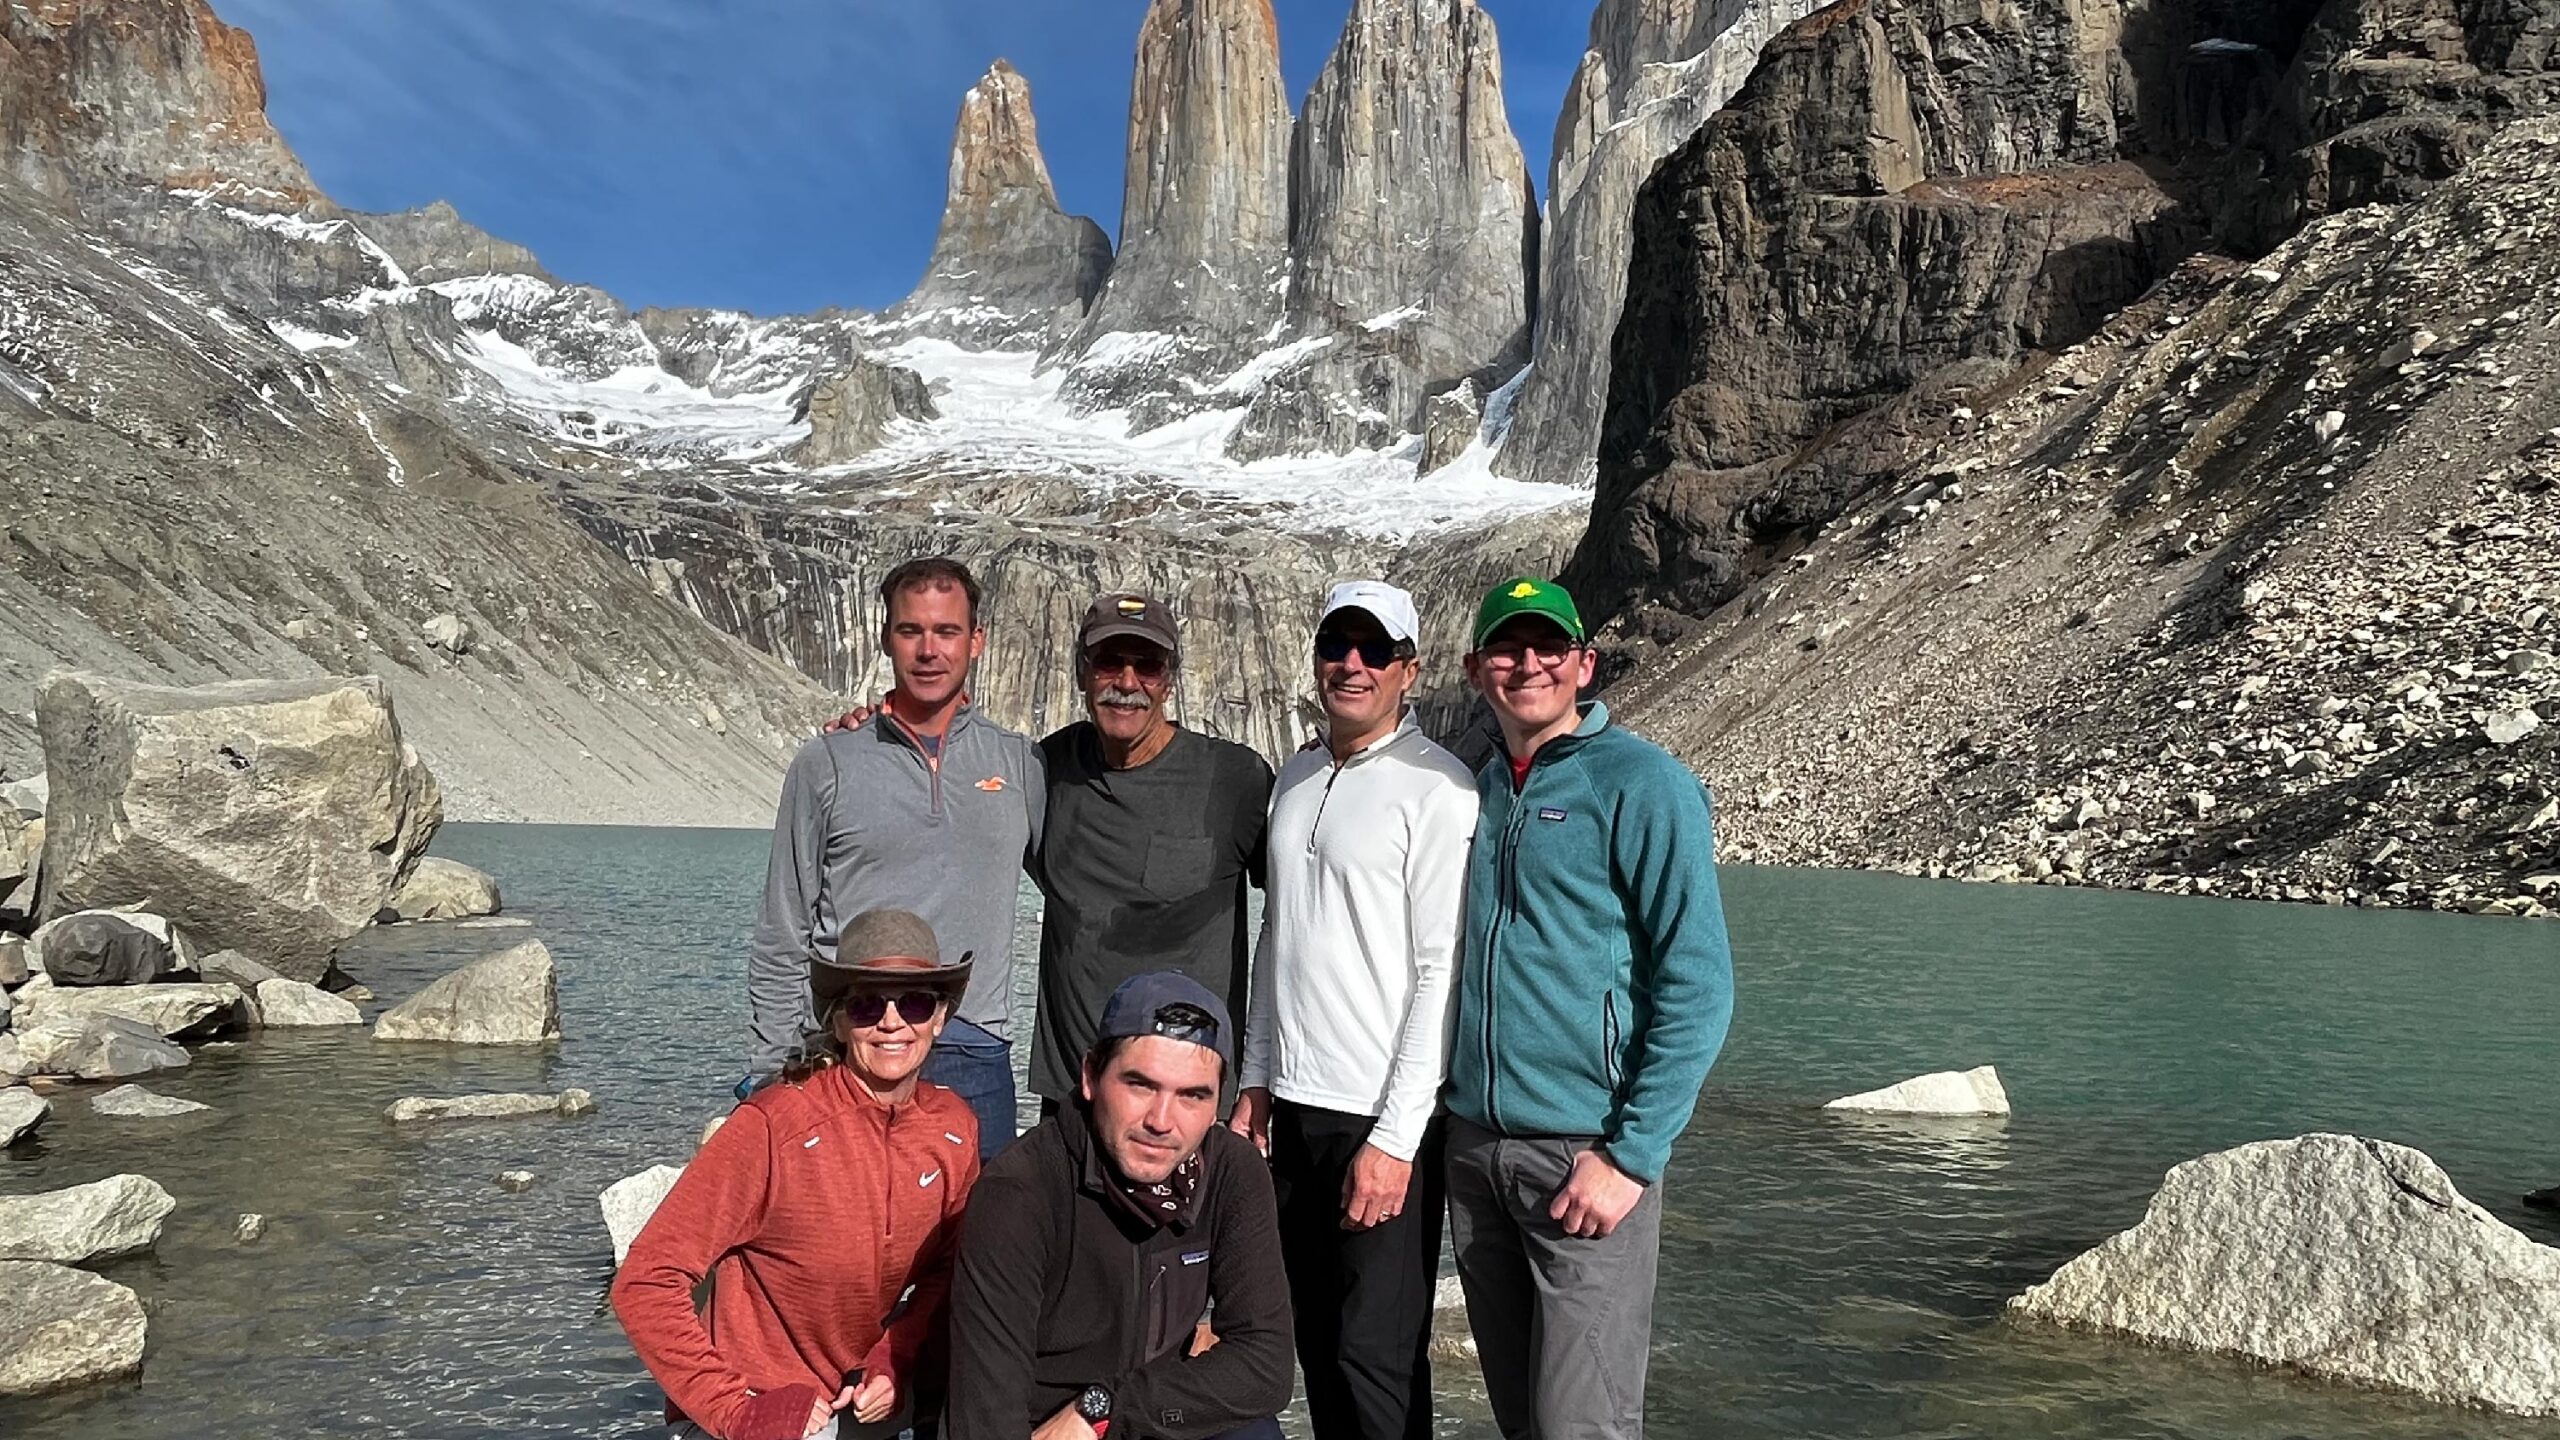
column 1360, row 699
column 932, row 640
column 1126, row 680
column 1153, row 1102
column 1530, row 670
column 885, row 1054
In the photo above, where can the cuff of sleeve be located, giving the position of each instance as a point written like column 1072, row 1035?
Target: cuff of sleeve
column 1633, row 1161
column 781, row 1414
column 1400, row 1140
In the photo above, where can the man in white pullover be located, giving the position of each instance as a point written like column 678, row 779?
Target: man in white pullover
column 1347, row 1041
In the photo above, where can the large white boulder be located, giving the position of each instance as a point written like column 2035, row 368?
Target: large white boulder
column 120, row 1215
column 21, row 1111
column 274, row 817
column 290, row 1004
column 487, row 1107
column 87, row 1047
column 1947, row 1092
column 510, row 998
column 630, row 1201
column 61, row 1328
column 441, row 889
column 175, row 1011
column 2343, row 1257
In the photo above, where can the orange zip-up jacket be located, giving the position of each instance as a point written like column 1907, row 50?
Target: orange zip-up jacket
column 828, row 1221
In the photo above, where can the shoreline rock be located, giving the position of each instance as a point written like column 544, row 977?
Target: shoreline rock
column 102, row 1220
column 22, row 1111
column 510, row 998
column 133, row 1102
column 175, row 1011
column 62, row 1328
column 1946, row 1092
column 87, row 1047
column 292, row 1005
column 2337, row 1256
column 630, row 1201
column 441, row 889
column 416, row 1108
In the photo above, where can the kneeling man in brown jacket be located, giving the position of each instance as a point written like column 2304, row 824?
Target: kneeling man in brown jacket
column 1096, row 1246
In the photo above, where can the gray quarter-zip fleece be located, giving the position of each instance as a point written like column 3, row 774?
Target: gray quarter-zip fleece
column 869, row 819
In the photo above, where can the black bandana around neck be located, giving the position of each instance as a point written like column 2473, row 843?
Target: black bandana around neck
column 1164, row 1201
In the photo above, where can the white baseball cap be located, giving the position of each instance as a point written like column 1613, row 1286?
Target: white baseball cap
column 1390, row 607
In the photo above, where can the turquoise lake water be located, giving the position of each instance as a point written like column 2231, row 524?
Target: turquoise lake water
column 1821, row 1277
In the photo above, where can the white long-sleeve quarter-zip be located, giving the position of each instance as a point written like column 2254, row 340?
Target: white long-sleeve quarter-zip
column 1352, row 976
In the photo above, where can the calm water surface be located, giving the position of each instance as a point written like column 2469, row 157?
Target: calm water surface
column 1820, row 1277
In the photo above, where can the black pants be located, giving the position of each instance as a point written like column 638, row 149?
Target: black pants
column 1362, row 1297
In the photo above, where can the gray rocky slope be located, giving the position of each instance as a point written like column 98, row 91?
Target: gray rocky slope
column 2245, row 587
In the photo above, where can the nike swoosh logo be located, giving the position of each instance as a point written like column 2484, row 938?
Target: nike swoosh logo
column 927, row 1178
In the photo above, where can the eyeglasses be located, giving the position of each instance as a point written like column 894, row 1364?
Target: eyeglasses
column 914, row 1006
column 1514, row 654
column 1150, row 664
column 1375, row 651
column 1185, row 1022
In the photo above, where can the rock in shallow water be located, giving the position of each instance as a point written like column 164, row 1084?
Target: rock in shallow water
column 1948, row 1092
column 174, row 1011
column 120, row 1215
column 290, row 1004
column 487, row 1107
column 21, row 1111
column 629, row 1202
column 61, row 1328
column 249, row 1229
column 441, row 889
column 108, row 947
column 132, row 1102
column 510, row 998
column 2347, row 1258
column 87, row 1047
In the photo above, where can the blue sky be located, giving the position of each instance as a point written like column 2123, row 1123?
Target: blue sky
column 773, row 155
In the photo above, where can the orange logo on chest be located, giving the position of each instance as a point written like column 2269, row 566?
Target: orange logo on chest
column 992, row 784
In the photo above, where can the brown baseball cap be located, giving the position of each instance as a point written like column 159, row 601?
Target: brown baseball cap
column 1127, row 613
column 881, row 949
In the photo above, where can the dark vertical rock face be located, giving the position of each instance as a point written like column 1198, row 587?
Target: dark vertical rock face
column 1204, row 217
column 1910, row 197
column 1009, row 267
column 1655, row 71
column 1413, row 222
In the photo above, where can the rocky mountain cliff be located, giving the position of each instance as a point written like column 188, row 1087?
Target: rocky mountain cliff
column 1204, row 214
column 1655, row 71
column 2052, row 533
column 1010, row 269
column 1412, row 237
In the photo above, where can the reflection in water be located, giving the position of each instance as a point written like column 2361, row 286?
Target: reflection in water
column 1823, row 1274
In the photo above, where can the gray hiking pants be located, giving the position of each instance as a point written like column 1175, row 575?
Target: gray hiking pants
column 1562, row 1325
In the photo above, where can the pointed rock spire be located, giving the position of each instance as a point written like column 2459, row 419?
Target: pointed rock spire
column 1008, row 265
column 1204, row 219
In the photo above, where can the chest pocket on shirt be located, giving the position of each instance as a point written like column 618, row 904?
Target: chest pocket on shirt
column 1178, row 866
column 1177, row 1296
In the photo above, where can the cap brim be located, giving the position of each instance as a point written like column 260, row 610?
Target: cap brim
column 1127, row 630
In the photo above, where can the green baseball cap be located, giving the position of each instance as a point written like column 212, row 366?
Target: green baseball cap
column 1524, row 595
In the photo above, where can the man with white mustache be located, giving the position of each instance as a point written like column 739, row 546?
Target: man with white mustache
column 1349, row 1037
column 1153, row 832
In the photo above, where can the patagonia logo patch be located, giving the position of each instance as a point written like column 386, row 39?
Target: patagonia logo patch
column 1550, row 813
column 1195, row 1257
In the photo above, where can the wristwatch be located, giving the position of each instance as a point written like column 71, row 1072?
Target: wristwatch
column 1094, row 1404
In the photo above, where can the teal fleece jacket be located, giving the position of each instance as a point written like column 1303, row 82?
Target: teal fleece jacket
column 1597, row 985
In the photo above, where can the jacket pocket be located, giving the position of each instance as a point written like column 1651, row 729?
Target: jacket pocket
column 1178, row 1295
column 1609, row 1041
column 1177, row 866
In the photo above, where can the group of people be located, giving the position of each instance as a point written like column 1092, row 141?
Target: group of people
column 1489, row 997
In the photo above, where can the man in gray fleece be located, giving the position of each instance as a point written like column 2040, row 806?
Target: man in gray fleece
column 928, row 807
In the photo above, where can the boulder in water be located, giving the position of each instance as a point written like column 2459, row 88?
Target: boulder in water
column 175, row 1011
column 232, row 967
column 289, row 1004
column 441, row 889
column 510, row 998
column 132, row 1102
column 277, row 817
column 121, row 1215
column 21, row 1111
column 487, row 1107
column 2544, row 1199
column 1947, row 1092
column 249, row 1229
column 62, row 1328
column 2343, row 1257
column 629, row 1202
column 109, row 947
column 87, row 1047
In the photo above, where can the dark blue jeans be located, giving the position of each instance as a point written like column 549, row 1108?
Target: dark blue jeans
column 978, row 1067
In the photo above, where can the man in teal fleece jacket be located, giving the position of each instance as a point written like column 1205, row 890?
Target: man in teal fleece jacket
column 1593, row 995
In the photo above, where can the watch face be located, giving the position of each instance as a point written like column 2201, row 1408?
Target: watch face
column 1094, row 1403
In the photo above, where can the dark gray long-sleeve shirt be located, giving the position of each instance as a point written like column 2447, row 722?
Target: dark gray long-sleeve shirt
column 869, row 820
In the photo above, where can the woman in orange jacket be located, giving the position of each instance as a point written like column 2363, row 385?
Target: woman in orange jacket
column 825, row 1212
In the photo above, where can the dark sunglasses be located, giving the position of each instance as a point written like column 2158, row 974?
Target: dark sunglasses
column 1376, row 651
column 1188, row 1023
column 914, row 1006
column 1148, row 663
